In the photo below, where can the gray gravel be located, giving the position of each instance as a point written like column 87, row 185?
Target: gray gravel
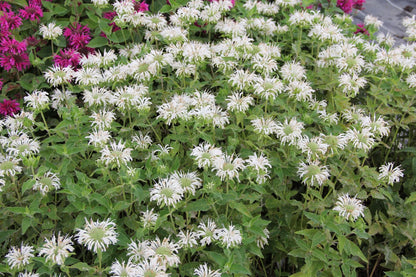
column 391, row 12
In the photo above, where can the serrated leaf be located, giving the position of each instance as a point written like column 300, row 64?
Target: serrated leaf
column 198, row 205
column 239, row 269
column 411, row 198
column 240, row 208
column 26, row 222
column 28, row 185
column 22, row 3
column 121, row 205
column 97, row 42
column 350, row 248
column 218, row 258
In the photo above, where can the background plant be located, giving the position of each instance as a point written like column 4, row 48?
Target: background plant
column 247, row 138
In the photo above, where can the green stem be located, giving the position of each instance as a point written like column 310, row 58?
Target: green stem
column 44, row 122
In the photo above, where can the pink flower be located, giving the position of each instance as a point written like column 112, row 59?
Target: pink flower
column 140, row 6
column 10, row 21
column 67, row 57
column 358, row 4
column 31, row 41
column 361, row 29
column 78, row 36
column 345, row 5
column 19, row 61
column 5, row 7
column 32, row 12
column 9, row 107
column 110, row 16
column 12, row 46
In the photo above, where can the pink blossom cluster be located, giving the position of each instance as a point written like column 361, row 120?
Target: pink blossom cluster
column 348, row 5
column 9, row 107
column 13, row 53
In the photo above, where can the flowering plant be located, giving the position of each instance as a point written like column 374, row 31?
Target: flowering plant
column 211, row 138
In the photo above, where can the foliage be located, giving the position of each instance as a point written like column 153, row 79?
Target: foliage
column 241, row 139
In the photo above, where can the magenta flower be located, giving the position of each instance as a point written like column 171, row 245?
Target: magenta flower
column 78, row 36
column 67, row 57
column 140, row 6
column 110, row 16
column 31, row 41
column 12, row 46
column 10, row 21
column 19, row 61
column 33, row 11
column 9, row 107
column 358, row 4
column 5, row 7
column 361, row 29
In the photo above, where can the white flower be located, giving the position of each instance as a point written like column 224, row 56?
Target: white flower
column 124, row 7
column 238, row 102
column 187, row 239
column 47, row 182
column 100, row 3
column 301, row 90
column 2, row 184
column 391, row 173
column 166, row 191
column 164, row 252
column 174, row 34
column 57, row 249
column 411, row 80
column 138, row 251
column 207, row 231
column 205, row 153
column 378, row 126
column 57, row 75
column 188, row 181
column 98, row 137
column 124, row 270
column 117, row 156
column 350, row 208
column 97, row 96
column 51, row 31
column 363, row 139
column 102, row 119
column 88, row 76
column 372, row 20
column 205, row 271
column 38, row 100
column 351, row 84
column 313, row 173
column 9, row 166
column 242, row 79
column 19, row 257
column 293, row 71
column 229, row 237
column 289, row 132
column 156, row 21
column 264, row 126
column 148, row 218
column 260, row 164
column 62, row 98
column 131, row 97
column 27, row 274
column 97, row 236
column 263, row 240
column 313, row 147
column 268, row 88
column 177, row 108
column 151, row 268
column 142, row 141
column 24, row 146
column 228, row 166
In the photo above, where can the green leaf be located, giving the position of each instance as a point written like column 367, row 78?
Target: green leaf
column 122, row 205
column 81, row 266
column 411, row 198
column 165, row 9
column 240, row 208
column 28, row 185
column 317, row 238
column 26, row 223
column 350, row 248
column 218, row 258
column 198, row 205
column 97, row 42
column 21, row 3
column 239, row 269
